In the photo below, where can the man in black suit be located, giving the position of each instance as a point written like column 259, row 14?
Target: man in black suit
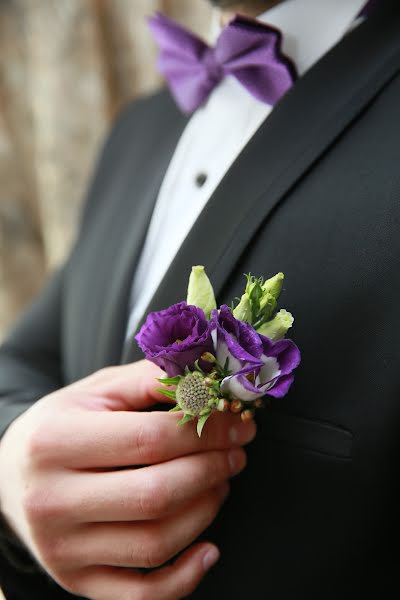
column 314, row 191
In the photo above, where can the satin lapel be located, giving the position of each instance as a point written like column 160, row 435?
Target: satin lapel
column 300, row 128
column 134, row 218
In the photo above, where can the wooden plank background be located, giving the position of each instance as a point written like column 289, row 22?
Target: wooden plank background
column 66, row 68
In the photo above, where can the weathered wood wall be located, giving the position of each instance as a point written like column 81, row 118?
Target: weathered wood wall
column 66, row 67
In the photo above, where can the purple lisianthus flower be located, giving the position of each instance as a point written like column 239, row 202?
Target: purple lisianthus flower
column 258, row 365
column 176, row 337
column 235, row 340
column 274, row 378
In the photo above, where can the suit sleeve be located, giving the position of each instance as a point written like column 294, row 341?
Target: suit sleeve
column 30, row 362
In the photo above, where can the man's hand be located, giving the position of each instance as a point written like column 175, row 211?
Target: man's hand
column 71, row 488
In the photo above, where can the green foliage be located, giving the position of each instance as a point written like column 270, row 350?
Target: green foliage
column 185, row 419
column 201, row 422
column 170, row 380
column 168, row 393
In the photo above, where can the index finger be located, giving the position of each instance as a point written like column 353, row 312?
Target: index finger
column 120, row 439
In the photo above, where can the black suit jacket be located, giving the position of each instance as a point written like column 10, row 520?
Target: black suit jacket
column 316, row 194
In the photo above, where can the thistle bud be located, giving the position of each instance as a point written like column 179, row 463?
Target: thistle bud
column 243, row 310
column 192, row 394
column 200, row 291
column 277, row 328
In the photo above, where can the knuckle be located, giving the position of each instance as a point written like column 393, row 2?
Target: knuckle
column 40, row 446
column 153, row 498
column 148, row 439
column 43, row 505
column 129, row 555
column 156, row 553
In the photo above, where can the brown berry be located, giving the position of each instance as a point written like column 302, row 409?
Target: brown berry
column 236, row 406
column 247, row 415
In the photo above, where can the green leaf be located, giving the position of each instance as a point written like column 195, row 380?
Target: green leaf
column 185, row 419
column 222, row 371
column 198, row 368
column 201, row 422
column 175, row 409
column 168, row 393
column 170, row 380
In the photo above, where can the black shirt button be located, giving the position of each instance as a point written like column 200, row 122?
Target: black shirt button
column 200, row 179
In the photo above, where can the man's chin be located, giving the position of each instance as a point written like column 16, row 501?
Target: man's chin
column 244, row 4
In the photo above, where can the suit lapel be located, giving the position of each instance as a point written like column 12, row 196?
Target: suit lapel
column 300, row 129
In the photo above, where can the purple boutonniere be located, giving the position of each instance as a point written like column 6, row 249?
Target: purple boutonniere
column 225, row 359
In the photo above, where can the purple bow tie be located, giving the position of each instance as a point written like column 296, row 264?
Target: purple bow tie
column 247, row 49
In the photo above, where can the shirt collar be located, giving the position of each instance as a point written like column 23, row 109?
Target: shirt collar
column 309, row 27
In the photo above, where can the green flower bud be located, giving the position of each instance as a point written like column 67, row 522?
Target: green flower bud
column 267, row 305
column 274, row 285
column 254, row 289
column 243, row 310
column 200, row 291
column 277, row 328
column 208, row 357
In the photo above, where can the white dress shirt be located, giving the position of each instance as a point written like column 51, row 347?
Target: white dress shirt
column 219, row 130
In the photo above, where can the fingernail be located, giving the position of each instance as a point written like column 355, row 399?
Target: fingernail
column 243, row 433
column 237, row 460
column 210, row 558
